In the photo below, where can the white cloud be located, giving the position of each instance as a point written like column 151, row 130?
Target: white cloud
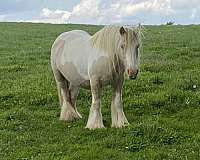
column 127, row 9
column 50, row 16
column 120, row 10
column 87, row 8
column 85, row 11
column 186, row 9
column 88, row 11
column 123, row 11
column 184, row 4
column 57, row 16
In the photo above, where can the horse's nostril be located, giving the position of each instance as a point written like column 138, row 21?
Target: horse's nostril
column 132, row 72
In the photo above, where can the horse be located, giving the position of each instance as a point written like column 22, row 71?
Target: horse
column 79, row 60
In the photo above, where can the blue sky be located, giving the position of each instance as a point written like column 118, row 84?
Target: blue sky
column 101, row 11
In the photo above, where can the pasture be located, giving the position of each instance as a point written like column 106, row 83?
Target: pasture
column 162, row 105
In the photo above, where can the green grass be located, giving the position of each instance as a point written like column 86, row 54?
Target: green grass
column 162, row 105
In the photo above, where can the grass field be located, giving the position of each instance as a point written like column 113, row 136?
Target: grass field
column 162, row 105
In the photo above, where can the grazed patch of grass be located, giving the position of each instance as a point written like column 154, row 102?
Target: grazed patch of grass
column 162, row 105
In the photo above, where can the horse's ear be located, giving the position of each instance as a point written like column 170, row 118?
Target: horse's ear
column 122, row 31
column 139, row 28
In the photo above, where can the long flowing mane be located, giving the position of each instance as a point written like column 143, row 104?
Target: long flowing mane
column 108, row 39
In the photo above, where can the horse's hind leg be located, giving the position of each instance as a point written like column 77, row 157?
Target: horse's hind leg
column 66, row 98
column 74, row 90
column 68, row 110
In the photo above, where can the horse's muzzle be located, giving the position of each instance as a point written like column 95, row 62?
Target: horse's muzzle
column 132, row 78
column 132, row 74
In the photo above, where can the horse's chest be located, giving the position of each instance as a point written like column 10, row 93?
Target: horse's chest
column 100, row 66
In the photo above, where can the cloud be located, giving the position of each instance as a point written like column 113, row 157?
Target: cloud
column 87, row 8
column 84, row 12
column 103, row 11
column 88, row 11
column 57, row 16
column 128, row 9
column 50, row 16
column 120, row 11
column 184, row 4
column 185, row 10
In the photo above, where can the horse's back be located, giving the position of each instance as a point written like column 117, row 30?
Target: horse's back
column 74, row 34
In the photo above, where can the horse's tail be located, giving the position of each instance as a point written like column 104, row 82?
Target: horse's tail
column 56, row 49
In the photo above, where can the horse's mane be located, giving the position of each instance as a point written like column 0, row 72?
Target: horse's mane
column 108, row 38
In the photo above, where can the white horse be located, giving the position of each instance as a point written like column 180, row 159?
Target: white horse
column 91, row 62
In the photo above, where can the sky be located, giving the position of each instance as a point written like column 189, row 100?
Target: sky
column 101, row 11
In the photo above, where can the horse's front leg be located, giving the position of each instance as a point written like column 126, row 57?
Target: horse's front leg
column 95, row 116
column 118, row 116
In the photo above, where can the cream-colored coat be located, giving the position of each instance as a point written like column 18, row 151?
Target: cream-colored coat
column 80, row 60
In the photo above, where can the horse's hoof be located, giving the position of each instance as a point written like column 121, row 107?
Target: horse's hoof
column 70, row 116
column 93, row 128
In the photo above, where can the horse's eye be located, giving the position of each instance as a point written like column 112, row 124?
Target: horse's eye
column 123, row 46
column 137, row 48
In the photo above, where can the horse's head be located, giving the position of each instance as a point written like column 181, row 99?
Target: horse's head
column 129, row 46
